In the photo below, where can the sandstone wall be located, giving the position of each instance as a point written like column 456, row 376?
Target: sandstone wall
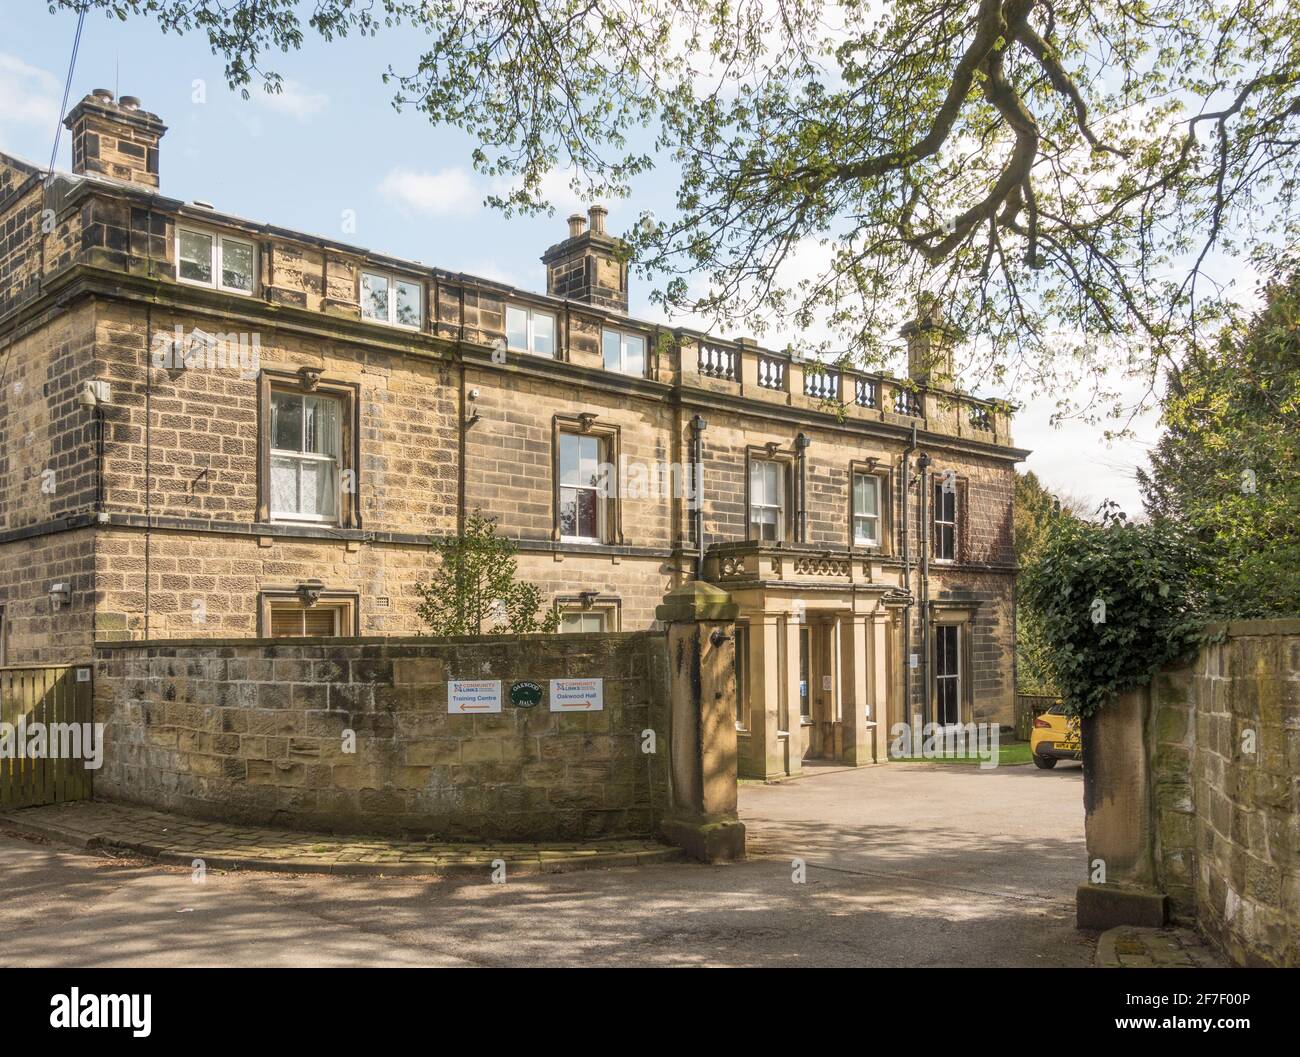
column 253, row 730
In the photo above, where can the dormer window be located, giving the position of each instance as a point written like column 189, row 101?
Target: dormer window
column 624, row 352
column 530, row 330
column 207, row 259
column 388, row 299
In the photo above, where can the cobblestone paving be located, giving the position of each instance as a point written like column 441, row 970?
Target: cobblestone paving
column 178, row 839
column 1128, row 947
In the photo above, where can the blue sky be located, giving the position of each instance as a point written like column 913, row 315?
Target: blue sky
column 332, row 142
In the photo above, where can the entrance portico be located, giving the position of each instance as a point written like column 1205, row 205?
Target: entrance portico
column 814, row 637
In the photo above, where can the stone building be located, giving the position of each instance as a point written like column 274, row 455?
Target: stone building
column 215, row 427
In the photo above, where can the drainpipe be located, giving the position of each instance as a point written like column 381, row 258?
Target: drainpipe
column 906, row 487
column 148, row 463
column 923, row 540
column 801, row 444
column 698, row 426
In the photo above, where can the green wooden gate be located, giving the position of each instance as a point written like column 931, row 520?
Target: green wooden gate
column 54, row 696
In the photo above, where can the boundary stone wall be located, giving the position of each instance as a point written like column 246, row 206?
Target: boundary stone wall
column 1205, row 815
column 253, row 730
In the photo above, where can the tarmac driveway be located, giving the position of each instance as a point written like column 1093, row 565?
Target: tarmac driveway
column 905, row 865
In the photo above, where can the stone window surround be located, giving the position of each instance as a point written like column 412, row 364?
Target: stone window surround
column 218, row 239
column 349, row 601
column 308, row 380
column 608, row 433
column 610, row 606
column 884, row 474
column 786, row 457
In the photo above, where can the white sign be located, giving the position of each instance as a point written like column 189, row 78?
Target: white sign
column 467, row 696
column 577, row 695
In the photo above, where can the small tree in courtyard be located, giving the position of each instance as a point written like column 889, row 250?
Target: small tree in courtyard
column 474, row 589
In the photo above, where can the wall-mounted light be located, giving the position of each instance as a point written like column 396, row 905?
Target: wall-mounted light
column 60, row 595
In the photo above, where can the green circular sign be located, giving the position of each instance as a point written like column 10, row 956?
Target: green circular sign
column 525, row 694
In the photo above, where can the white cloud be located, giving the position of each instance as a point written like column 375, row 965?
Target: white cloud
column 294, row 100
column 31, row 100
column 430, row 193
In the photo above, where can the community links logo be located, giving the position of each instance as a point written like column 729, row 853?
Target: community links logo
column 75, row 1010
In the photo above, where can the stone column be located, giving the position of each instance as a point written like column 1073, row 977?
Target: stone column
column 702, row 722
column 790, row 714
column 1117, row 818
column 767, row 755
column 856, row 677
column 880, row 661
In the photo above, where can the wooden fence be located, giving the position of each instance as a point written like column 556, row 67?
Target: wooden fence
column 44, row 702
column 1027, row 707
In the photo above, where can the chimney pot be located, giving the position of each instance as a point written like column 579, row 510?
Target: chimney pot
column 119, row 141
column 589, row 265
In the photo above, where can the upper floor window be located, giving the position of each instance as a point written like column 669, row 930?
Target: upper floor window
column 624, row 352
column 306, row 439
column 530, row 330
column 388, row 299
column 945, row 520
column 866, row 510
column 766, row 499
column 212, row 260
column 581, row 495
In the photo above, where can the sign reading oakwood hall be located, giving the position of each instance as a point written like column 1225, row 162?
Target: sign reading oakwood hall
column 467, row 697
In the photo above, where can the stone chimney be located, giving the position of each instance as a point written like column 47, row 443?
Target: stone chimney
column 115, row 138
column 929, row 345
column 590, row 265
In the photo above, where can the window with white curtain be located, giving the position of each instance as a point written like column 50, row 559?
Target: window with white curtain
column 306, row 439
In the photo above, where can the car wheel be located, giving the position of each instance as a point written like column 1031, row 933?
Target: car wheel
column 1046, row 763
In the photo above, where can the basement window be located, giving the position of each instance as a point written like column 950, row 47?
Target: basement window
column 289, row 617
column 577, row 620
column 388, row 299
column 530, row 330
column 207, row 259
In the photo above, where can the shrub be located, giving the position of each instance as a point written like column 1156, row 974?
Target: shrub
column 1114, row 604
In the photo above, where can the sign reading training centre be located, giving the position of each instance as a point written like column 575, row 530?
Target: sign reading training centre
column 465, row 697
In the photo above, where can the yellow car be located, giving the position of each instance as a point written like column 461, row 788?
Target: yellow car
column 1055, row 737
